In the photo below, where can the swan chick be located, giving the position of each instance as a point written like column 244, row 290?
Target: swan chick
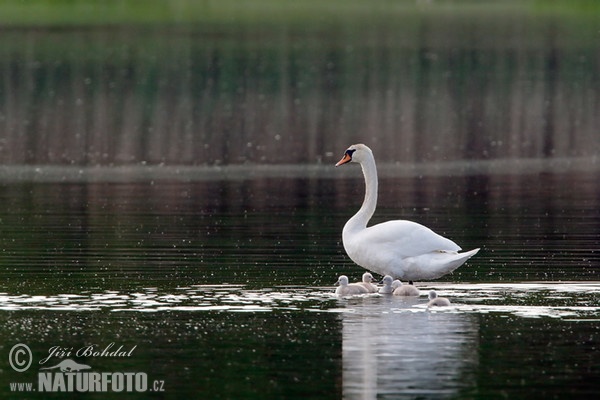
column 348, row 289
column 387, row 285
column 367, row 278
column 404, row 290
column 434, row 300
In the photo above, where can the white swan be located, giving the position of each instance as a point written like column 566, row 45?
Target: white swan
column 404, row 290
column 387, row 285
column 349, row 289
column 402, row 249
column 434, row 300
column 367, row 278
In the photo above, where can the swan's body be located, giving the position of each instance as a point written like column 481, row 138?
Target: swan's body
column 367, row 278
column 349, row 289
column 401, row 249
column 404, row 290
column 387, row 285
column 434, row 300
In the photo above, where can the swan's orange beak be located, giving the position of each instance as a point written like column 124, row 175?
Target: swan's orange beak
column 344, row 160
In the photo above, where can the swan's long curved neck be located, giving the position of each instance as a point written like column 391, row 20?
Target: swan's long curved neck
column 362, row 217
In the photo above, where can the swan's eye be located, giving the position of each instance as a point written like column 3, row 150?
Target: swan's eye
column 349, row 152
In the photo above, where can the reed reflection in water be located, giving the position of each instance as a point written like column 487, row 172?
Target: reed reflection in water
column 390, row 348
column 288, row 95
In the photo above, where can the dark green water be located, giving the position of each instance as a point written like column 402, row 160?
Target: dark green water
column 225, row 287
column 168, row 189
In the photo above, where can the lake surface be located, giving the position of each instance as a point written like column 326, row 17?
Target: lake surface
column 171, row 214
column 226, row 287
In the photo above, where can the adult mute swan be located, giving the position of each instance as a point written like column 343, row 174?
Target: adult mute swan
column 349, row 289
column 403, row 249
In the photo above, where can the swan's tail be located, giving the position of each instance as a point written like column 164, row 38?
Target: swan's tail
column 462, row 257
column 435, row 265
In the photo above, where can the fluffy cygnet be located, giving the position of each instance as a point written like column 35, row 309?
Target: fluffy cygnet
column 348, row 289
column 387, row 285
column 367, row 278
column 434, row 300
column 404, row 290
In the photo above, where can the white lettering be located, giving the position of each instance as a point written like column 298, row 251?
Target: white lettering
column 93, row 351
column 70, row 383
column 141, row 382
column 45, row 381
column 94, row 385
column 82, row 384
column 86, row 351
column 118, row 382
column 57, row 351
column 106, row 380
column 92, row 382
column 59, row 383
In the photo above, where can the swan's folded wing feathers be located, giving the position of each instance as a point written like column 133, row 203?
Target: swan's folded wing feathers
column 407, row 238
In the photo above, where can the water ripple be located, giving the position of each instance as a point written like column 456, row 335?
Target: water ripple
column 574, row 300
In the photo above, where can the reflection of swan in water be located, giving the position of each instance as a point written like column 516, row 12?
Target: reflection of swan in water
column 402, row 249
column 367, row 278
column 391, row 350
column 348, row 289
column 404, row 290
column 434, row 300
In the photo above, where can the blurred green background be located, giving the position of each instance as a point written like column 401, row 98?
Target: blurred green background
column 272, row 82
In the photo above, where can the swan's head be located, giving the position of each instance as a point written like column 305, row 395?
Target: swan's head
column 367, row 277
column 355, row 153
column 432, row 295
column 388, row 280
column 396, row 284
column 342, row 280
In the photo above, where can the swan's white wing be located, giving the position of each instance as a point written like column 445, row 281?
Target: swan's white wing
column 405, row 239
column 404, row 249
